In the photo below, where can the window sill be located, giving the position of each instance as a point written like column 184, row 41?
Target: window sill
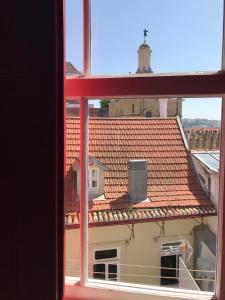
column 96, row 289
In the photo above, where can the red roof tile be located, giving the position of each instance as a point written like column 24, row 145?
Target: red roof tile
column 172, row 181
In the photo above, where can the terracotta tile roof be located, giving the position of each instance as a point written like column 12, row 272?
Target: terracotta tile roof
column 173, row 187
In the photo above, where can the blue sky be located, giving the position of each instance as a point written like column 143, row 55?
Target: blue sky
column 184, row 36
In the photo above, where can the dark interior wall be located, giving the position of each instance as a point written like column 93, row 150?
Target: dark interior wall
column 31, row 151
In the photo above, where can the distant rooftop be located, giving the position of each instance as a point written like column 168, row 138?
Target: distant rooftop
column 71, row 70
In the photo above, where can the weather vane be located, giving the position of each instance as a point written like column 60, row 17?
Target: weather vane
column 145, row 34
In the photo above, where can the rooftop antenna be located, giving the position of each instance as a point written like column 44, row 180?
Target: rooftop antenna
column 145, row 35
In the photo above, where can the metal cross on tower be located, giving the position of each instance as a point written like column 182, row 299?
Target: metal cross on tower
column 145, row 34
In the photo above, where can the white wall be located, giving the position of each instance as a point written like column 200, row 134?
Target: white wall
column 143, row 250
column 214, row 190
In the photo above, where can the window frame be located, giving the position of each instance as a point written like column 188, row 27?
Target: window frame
column 90, row 178
column 107, row 261
column 206, row 84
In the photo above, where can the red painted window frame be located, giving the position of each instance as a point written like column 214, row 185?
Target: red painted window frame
column 207, row 84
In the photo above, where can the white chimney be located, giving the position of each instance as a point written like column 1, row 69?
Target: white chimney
column 163, row 107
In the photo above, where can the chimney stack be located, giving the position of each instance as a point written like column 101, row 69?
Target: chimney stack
column 137, row 180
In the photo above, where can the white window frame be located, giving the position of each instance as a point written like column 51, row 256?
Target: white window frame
column 167, row 85
column 107, row 261
column 90, row 179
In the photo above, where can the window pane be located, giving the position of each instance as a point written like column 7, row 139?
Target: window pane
column 182, row 36
column 152, row 190
column 168, row 270
column 105, row 254
column 94, row 183
column 74, row 37
column 72, row 188
column 94, row 173
column 99, row 271
column 112, row 272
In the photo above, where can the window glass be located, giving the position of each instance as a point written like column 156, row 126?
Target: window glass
column 93, row 177
column 94, row 174
column 105, row 254
column 151, row 196
column 72, row 188
column 154, row 204
column 99, row 271
column 151, row 36
column 112, row 272
column 166, row 215
column 74, row 37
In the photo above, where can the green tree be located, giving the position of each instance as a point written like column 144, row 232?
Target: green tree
column 104, row 103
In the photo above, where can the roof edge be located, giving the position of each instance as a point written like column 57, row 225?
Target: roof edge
column 183, row 134
column 139, row 221
column 126, row 118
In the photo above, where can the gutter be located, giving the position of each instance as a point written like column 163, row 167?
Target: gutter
column 145, row 220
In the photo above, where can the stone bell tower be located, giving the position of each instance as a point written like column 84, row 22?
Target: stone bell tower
column 144, row 56
column 144, row 107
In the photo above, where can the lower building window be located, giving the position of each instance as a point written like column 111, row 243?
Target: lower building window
column 170, row 256
column 106, row 264
column 169, row 270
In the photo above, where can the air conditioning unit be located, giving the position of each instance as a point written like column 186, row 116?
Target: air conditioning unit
column 206, row 274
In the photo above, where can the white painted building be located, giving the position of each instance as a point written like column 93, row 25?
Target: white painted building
column 206, row 164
